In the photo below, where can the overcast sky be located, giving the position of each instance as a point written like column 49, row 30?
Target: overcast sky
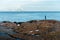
column 29, row 5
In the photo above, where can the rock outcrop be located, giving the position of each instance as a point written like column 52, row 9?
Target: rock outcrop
column 35, row 29
column 38, row 30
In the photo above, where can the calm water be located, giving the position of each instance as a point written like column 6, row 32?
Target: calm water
column 21, row 16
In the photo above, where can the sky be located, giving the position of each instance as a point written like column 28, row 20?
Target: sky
column 29, row 5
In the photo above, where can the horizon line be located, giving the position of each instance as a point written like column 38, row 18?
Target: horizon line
column 29, row 11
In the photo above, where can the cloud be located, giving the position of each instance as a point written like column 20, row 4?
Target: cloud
column 29, row 5
column 11, row 5
column 43, row 6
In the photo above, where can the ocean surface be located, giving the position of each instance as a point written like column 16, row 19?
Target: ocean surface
column 26, row 16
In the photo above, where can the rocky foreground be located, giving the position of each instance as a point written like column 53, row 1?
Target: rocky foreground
column 30, row 30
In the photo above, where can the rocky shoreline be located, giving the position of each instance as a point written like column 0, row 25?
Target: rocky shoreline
column 31, row 30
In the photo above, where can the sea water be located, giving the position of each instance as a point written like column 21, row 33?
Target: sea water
column 26, row 16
